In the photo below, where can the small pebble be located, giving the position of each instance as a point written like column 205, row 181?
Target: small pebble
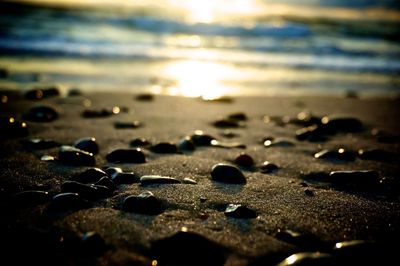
column 73, row 156
column 41, row 113
column 157, row 179
column 68, row 201
column 39, row 94
column 111, row 171
column 306, row 119
column 144, row 203
column 240, row 212
column 86, row 191
column 127, row 125
column 227, row 123
column 145, row 97
column 87, row 144
column 100, row 113
column 238, row 116
column 31, row 197
column 309, row 192
column 308, row 258
column 73, row 92
column 339, row 154
column 227, row 145
column 186, row 145
column 244, row 160
column 139, row 142
column 376, row 155
column 48, row 158
column 125, row 178
column 307, row 241
column 190, row 181
column 385, row 137
column 342, row 123
column 39, row 144
column 268, row 167
column 90, row 175
column 222, row 99
column 199, row 138
column 278, row 143
column 11, row 128
column 126, row 156
column 356, row 179
column 313, row 133
column 228, row 134
column 227, row 174
column 164, row 147
column 106, row 182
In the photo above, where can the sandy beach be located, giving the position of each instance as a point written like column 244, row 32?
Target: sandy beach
column 297, row 207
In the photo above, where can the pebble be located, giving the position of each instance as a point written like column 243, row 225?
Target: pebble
column 227, row 174
column 188, row 248
column 87, row 144
column 41, row 113
column 222, row 99
column 85, row 190
column 313, row 133
column 385, row 137
column 340, row 123
column 376, row 155
column 73, row 92
column 111, row 171
column 11, row 128
column 199, row 138
column 227, row 145
column 244, row 160
column 228, row 134
column 126, row 156
column 144, row 97
column 356, row 179
column 157, row 179
column 190, row 181
column 164, row 147
column 48, row 158
column 73, row 156
column 227, row 123
column 238, row 116
column 307, row 241
column 268, row 167
column 126, row 125
column 31, row 197
column 99, row 113
column 308, row 259
column 306, row 119
column 139, row 142
column 39, row 144
column 39, row 94
column 278, row 143
column 106, row 182
column 186, row 145
column 309, row 192
column 144, row 203
column 90, row 175
column 240, row 212
column 339, row 154
column 93, row 243
column 125, row 178
column 67, row 201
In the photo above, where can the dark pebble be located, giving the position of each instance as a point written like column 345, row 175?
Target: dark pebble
column 106, row 182
column 68, row 201
column 227, row 174
column 73, row 156
column 186, row 145
column 157, row 179
column 164, row 147
column 183, row 248
column 125, row 178
column 144, row 203
column 306, row 119
column 90, row 175
column 278, row 143
column 339, row 154
column 240, row 212
column 74, row 92
column 268, row 167
column 41, row 113
column 139, row 142
column 111, row 171
column 227, row 123
column 244, row 160
column 227, row 145
column 11, row 128
column 31, row 197
column 126, row 156
column 306, row 241
column 385, row 137
column 309, row 192
column 87, row 144
column 342, row 123
column 238, row 116
column 99, row 113
column 86, row 191
column 39, row 94
column 92, row 243
column 356, row 179
column 313, row 133
column 39, row 144
column 228, row 134
column 201, row 139
column 144, row 97
column 376, row 155
column 127, row 125
column 309, row 259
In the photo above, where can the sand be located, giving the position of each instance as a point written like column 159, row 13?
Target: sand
column 279, row 198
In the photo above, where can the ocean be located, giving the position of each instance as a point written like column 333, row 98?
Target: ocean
column 203, row 48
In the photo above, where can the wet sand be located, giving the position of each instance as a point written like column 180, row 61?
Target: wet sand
column 288, row 198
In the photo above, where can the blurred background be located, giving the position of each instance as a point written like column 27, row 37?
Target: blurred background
column 203, row 48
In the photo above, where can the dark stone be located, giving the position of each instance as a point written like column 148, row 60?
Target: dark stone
column 356, row 179
column 183, row 248
column 227, row 174
column 31, row 197
column 244, row 160
column 385, row 137
column 106, row 182
column 41, row 113
column 125, row 178
column 90, row 175
column 139, row 142
column 201, row 139
column 305, row 241
column 268, row 167
column 68, row 201
column 164, row 147
column 86, row 191
column 144, row 203
column 127, row 125
column 227, row 145
column 316, row 177
column 240, row 212
column 11, row 128
column 238, row 116
column 73, row 156
column 39, row 144
column 339, row 123
column 309, row 192
column 228, row 134
column 126, row 156
column 377, row 155
column 105, row 112
column 309, row 259
column 39, row 94
column 186, row 145
column 111, row 171
column 92, row 243
column 145, row 97
column 157, row 179
column 227, row 123
column 306, row 119
column 312, row 133
column 278, row 143
column 340, row 154
column 87, row 144
column 74, row 92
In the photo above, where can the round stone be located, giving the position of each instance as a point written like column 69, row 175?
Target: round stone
column 87, row 144
column 186, row 145
column 139, row 142
column 199, row 138
column 145, row 203
column 244, row 159
column 73, row 156
column 41, row 113
column 240, row 212
column 227, row 174
column 90, row 175
column 268, row 167
column 164, row 147
column 126, row 156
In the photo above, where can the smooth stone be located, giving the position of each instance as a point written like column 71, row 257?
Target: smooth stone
column 188, row 248
column 125, row 178
column 244, row 160
column 238, row 116
column 340, row 154
column 278, row 143
column 11, row 128
column 111, row 171
column 39, row 144
column 48, row 158
column 139, row 142
column 68, row 201
column 385, row 137
column 157, row 179
column 189, row 181
column 307, row 241
column 240, row 212
column 227, row 174
column 93, row 243
column 357, row 179
column 87, row 144
column 316, row 177
column 127, row 125
column 309, row 192
column 86, row 191
column 199, row 138
column 105, row 112
column 90, row 175
column 376, row 155
column 41, row 113
column 340, row 123
column 306, row 119
column 309, row 259
column 31, row 197
column 73, row 156
column 144, row 97
column 164, row 147
column 144, row 203
column 313, row 133
column 268, row 167
column 39, row 94
column 222, row 99
column 227, row 145
column 106, row 182
column 228, row 134
column 186, row 145
column 227, row 123
column 74, row 92
column 126, row 156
